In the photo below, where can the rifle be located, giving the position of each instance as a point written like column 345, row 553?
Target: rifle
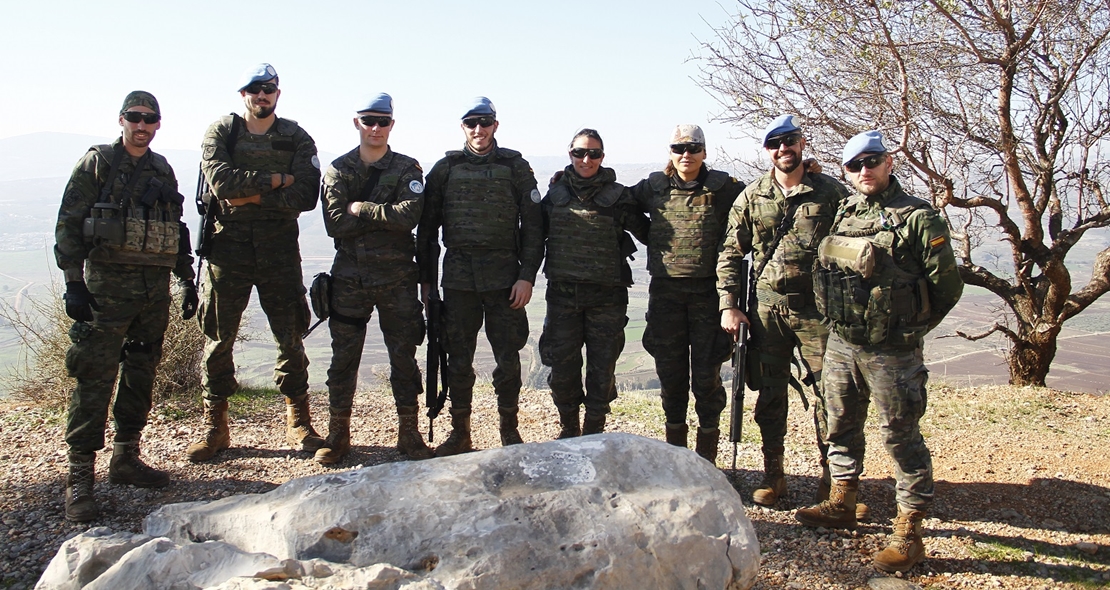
column 739, row 361
column 435, row 398
column 205, row 206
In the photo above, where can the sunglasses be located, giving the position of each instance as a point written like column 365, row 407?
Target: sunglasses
column 473, row 122
column 371, row 120
column 869, row 162
column 260, row 88
column 580, row 153
column 136, row 116
column 786, row 140
column 687, row 148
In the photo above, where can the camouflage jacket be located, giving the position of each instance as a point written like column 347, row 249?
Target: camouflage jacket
column 480, row 268
column 83, row 191
column 377, row 245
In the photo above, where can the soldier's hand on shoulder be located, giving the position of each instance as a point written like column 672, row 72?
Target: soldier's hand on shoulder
column 812, row 166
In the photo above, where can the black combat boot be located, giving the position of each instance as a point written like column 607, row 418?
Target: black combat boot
column 298, row 425
column 593, row 424
column 409, row 440
column 127, row 468
column 80, row 502
column 459, row 439
column 570, row 422
column 338, row 443
column 217, row 437
column 509, row 433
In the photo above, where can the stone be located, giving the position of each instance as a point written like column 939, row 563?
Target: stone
column 602, row 511
column 1087, row 547
column 884, row 583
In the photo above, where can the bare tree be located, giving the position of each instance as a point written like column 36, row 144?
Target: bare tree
column 999, row 111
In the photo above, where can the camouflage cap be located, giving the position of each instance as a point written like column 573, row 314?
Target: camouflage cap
column 782, row 125
column 377, row 103
column 868, row 142
column 262, row 72
column 480, row 106
column 687, row 134
column 140, row 98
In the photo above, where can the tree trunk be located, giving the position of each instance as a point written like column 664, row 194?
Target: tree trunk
column 1030, row 359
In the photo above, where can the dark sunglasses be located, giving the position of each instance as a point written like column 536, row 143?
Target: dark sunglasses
column 473, row 122
column 786, row 140
column 259, row 87
column 687, row 148
column 136, row 116
column 371, row 120
column 869, row 162
column 580, row 153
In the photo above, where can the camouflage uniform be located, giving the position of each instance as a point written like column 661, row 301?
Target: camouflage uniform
column 256, row 246
column 130, row 283
column 876, row 344
column 488, row 207
column 585, row 220
column 374, row 267
column 683, row 331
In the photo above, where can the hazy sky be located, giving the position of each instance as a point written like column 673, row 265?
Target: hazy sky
column 550, row 68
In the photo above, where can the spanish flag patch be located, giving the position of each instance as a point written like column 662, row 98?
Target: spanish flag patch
column 937, row 242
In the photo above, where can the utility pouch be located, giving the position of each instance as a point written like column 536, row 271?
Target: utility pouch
column 104, row 226
column 855, row 255
column 821, row 290
column 320, row 295
column 753, row 369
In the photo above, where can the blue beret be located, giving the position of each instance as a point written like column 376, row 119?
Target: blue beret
column 262, row 72
column 480, row 106
column 868, row 142
column 378, row 103
column 782, row 125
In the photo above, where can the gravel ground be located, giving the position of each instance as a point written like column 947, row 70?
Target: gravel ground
column 1023, row 483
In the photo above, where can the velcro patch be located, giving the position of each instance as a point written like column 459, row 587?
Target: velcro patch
column 937, row 242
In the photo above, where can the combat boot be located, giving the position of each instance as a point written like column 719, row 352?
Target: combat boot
column 459, row 439
column 906, row 547
column 593, row 424
column 409, row 440
column 677, row 433
column 338, row 443
column 571, row 424
column 126, row 468
column 823, row 486
column 218, row 436
column 773, row 487
column 80, row 501
column 705, row 443
column 838, row 512
column 298, row 425
column 509, row 433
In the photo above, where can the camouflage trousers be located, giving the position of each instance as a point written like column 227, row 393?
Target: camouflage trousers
column 506, row 330
column 896, row 379
column 134, row 311
column 583, row 314
column 778, row 330
column 402, row 323
column 255, row 254
column 684, row 336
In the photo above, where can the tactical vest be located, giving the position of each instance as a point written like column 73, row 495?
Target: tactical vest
column 479, row 208
column 122, row 230
column 685, row 227
column 268, row 153
column 377, row 248
column 584, row 242
column 858, row 286
column 791, row 264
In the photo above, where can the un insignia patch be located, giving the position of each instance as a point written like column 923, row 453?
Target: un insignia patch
column 536, row 196
column 416, row 187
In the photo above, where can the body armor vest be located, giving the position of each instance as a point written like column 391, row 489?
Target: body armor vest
column 378, row 247
column 268, row 153
column 868, row 298
column 479, row 208
column 584, row 244
column 791, row 264
column 685, row 227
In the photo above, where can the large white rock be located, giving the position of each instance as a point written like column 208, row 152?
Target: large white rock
column 607, row 511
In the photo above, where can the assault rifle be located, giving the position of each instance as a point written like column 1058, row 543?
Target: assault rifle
column 206, row 207
column 745, row 299
column 435, row 398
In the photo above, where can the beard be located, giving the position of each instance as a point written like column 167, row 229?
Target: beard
column 262, row 111
column 786, row 166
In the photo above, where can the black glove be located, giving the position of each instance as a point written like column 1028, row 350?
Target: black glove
column 189, row 300
column 79, row 301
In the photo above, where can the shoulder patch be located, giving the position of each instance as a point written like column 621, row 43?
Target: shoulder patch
column 937, row 242
column 416, row 186
column 536, row 196
column 316, row 161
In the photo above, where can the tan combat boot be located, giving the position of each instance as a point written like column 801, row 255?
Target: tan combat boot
column 409, row 440
column 80, row 501
column 338, row 443
column 459, row 439
column 838, row 512
column 774, row 480
column 571, row 424
column 823, row 486
column 677, row 433
column 218, row 436
column 509, row 433
column 298, row 425
column 906, row 549
column 126, row 468
column 706, row 443
column 593, row 424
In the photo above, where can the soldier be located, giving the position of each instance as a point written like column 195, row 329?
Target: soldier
column 886, row 276
column 119, row 235
column 780, row 219
column 372, row 199
column 586, row 215
column 688, row 204
column 263, row 172
column 485, row 198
